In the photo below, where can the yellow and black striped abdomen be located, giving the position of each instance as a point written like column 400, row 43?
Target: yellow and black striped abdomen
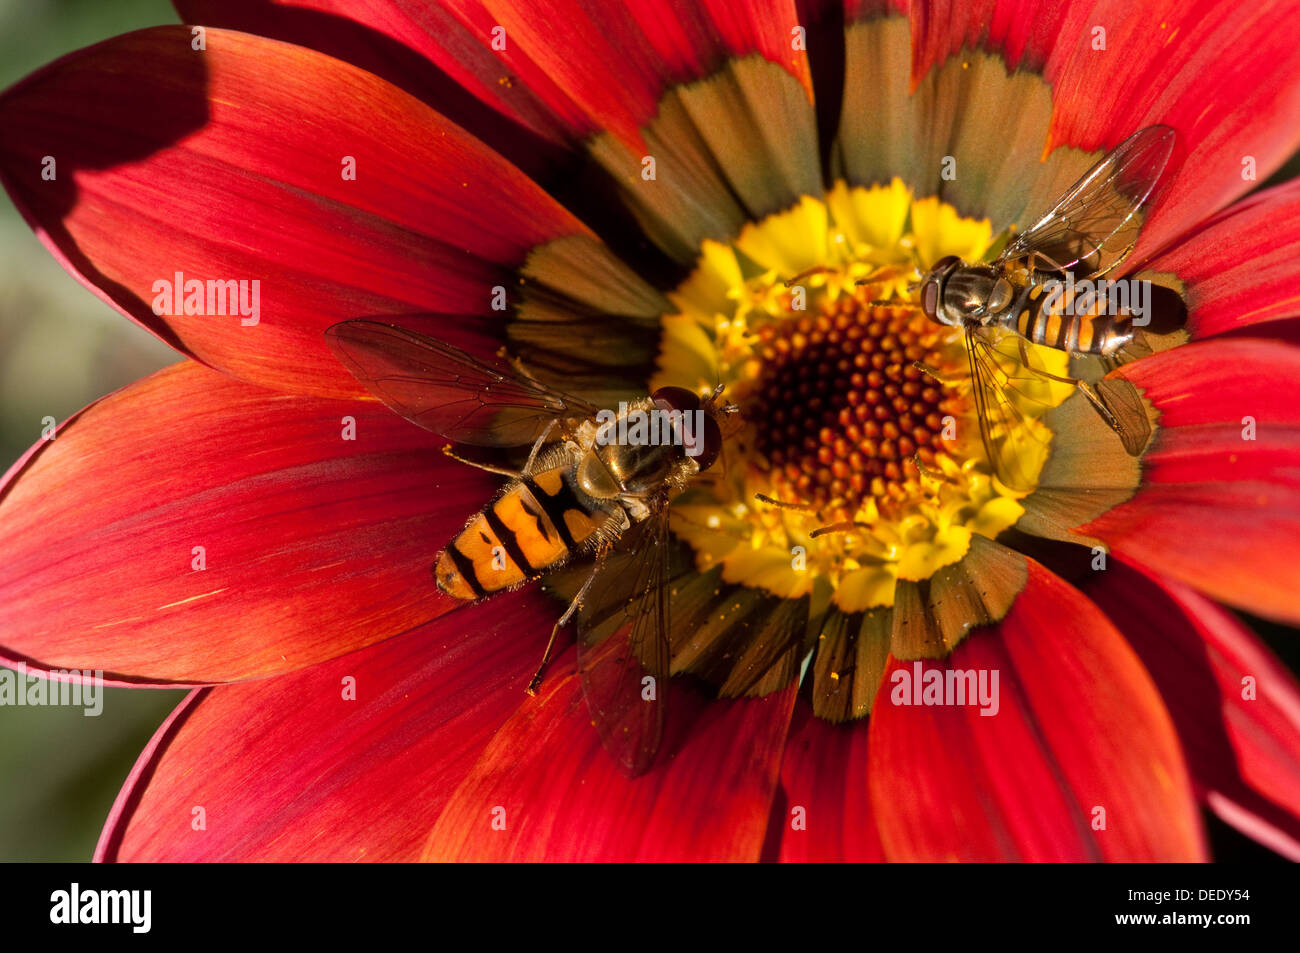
column 1050, row 320
column 535, row 524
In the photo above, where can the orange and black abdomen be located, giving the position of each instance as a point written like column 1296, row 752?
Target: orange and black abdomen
column 1053, row 323
column 535, row 524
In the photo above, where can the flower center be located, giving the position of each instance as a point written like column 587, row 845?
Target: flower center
column 860, row 460
column 846, row 411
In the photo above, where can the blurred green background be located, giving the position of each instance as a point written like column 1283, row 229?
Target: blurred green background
column 60, row 349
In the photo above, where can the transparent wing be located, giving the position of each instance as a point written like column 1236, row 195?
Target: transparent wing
column 1002, row 388
column 1095, row 224
column 443, row 389
column 1127, row 415
column 623, row 650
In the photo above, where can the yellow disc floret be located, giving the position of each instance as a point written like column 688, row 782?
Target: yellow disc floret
column 859, row 461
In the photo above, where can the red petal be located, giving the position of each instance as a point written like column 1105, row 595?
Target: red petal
column 228, row 165
column 314, row 545
column 822, row 811
column 1243, row 748
column 1217, row 511
column 1079, row 726
column 1223, row 75
column 546, row 776
column 288, row 769
column 1024, row 32
column 615, row 61
column 401, row 43
column 1220, row 73
column 1242, row 268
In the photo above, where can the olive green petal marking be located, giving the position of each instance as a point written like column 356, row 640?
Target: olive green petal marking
column 1087, row 473
column 933, row 616
column 585, row 322
column 993, row 123
column 852, row 652
column 728, row 149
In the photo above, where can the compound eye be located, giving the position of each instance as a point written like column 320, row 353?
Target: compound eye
column 712, row 443
column 676, row 398
column 999, row 297
column 930, row 299
column 944, row 263
column 688, row 402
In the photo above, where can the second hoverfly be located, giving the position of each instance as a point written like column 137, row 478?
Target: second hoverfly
column 584, row 491
column 1026, row 293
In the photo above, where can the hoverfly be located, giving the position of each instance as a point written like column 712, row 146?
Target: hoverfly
column 1085, row 235
column 581, row 492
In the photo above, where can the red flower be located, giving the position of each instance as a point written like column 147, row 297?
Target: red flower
column 215, row 526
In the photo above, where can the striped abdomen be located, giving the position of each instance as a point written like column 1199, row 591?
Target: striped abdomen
column 1050, row 319
column 535, row 524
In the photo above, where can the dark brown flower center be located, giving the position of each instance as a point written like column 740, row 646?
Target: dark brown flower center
column 842, row 410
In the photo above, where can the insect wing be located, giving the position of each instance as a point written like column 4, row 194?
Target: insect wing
column 443, row 389
column 623, row 651
column 1096, row 222
column 1128, row 417
column 1002, row 388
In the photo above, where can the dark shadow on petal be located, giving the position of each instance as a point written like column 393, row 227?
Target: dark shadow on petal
column 103, row 126
column 825, row 25
column 565, row 171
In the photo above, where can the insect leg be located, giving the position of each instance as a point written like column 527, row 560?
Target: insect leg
column 528, row 467
column 1118, row 260
column 1087, row 390
column 1038, row 254
column 1024, row 359
column 481, row 466
column 555, row 629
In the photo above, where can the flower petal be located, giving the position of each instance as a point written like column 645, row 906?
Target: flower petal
column 1220, row 504
column 702, row 112
column 1080, row 738
column 312, row 543
column 1223, row 75
column 1000, row 86
column 231, row 164
column 1236, row 708
column 965, row 129
column 544, row 788
column 822, row 811
column 1241, row 269
column 310, row 766
column 615, row 61
column 422, row 48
